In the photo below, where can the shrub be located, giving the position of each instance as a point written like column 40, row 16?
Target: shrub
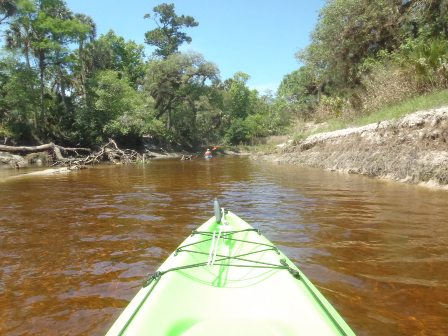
column 387, row 85
column 335, row 108
column 237, row 133
column 429, row 60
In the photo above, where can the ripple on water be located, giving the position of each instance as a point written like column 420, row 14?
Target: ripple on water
column 73, row 251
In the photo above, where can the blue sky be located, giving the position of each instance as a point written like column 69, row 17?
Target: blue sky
column 258, row 37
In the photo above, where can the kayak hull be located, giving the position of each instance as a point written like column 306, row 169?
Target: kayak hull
column 228, row 280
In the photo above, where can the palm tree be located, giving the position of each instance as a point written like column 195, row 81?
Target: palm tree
column 20, row 36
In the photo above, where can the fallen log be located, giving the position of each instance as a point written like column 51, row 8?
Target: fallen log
column 40, row 148
column 109, row 152
column 55, row 150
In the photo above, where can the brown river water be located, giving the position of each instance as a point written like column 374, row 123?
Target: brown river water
column 74, row 249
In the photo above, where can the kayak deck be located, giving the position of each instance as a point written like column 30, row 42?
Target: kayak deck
column 228, row 280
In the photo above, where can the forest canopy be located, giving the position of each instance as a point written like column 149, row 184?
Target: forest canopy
column 60, row 82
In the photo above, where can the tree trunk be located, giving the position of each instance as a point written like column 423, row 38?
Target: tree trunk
column 82, row 73
column 29, row 149
column 32, row 149
column 27, row 55
column 42, row 84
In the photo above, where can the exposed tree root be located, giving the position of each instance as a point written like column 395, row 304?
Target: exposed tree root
column 109, row 152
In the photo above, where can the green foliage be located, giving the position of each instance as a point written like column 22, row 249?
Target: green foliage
column 8, row 8
column 238, row 96
column 425, row 18
column 20, row 99
column 393, row 111
column 266, row 118
column 44, row 30
column 113, row 52
column 347, row 32
column 419, row 65
column 237, row 132
column 60, row 83
column 257, row 125
column 367, row 54
column 330, row 107
column 301, row 89
column 421, row 102
column 115, row 108
column 178, row 86
column 5, row 132
column 428, row 58
column 168, row 35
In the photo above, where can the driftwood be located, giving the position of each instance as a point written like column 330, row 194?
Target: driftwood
column 51, row 147
column 186, row 157
column 112, row 153
column 109, row 152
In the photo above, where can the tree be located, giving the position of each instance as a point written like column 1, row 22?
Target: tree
column 347, row 32
column 267, row 118
column 168, row 35
column 112, row 97
column 20, row 99
column 301, row 89
column 427, row 17
column 175, row 82
column 19, row 35
column 113, row 52
column 83, row 36
column 238, row 96
column 8, row 8
column 45, row 30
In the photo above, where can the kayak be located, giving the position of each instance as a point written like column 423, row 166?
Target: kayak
column 226, row 278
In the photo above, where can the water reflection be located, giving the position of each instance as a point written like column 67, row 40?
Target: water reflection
column 75, row 248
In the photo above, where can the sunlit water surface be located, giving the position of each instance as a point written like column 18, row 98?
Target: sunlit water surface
column 75, row 248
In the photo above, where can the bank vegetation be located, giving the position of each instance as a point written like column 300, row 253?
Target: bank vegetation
column 367, row 61
column 61, row 83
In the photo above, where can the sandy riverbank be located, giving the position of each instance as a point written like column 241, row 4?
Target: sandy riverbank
column 412, row 149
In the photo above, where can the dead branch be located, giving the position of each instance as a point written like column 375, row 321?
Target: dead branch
column 108, row 152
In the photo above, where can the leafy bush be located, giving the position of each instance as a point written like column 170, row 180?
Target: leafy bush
column 329, row 107
column 237, row 133
column 419, row 65
column 5, row 132
column 429, row 59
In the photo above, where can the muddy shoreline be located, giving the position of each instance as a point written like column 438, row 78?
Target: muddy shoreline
column 412, row 149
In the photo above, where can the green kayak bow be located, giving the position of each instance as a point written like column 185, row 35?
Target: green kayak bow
column 228, row 279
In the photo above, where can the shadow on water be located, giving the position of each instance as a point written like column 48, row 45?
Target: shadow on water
column 75, row 248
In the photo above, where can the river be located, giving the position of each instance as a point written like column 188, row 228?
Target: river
column 75, row 248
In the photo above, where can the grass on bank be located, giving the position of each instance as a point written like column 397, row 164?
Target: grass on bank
column 395, row 111
column 260, row 148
